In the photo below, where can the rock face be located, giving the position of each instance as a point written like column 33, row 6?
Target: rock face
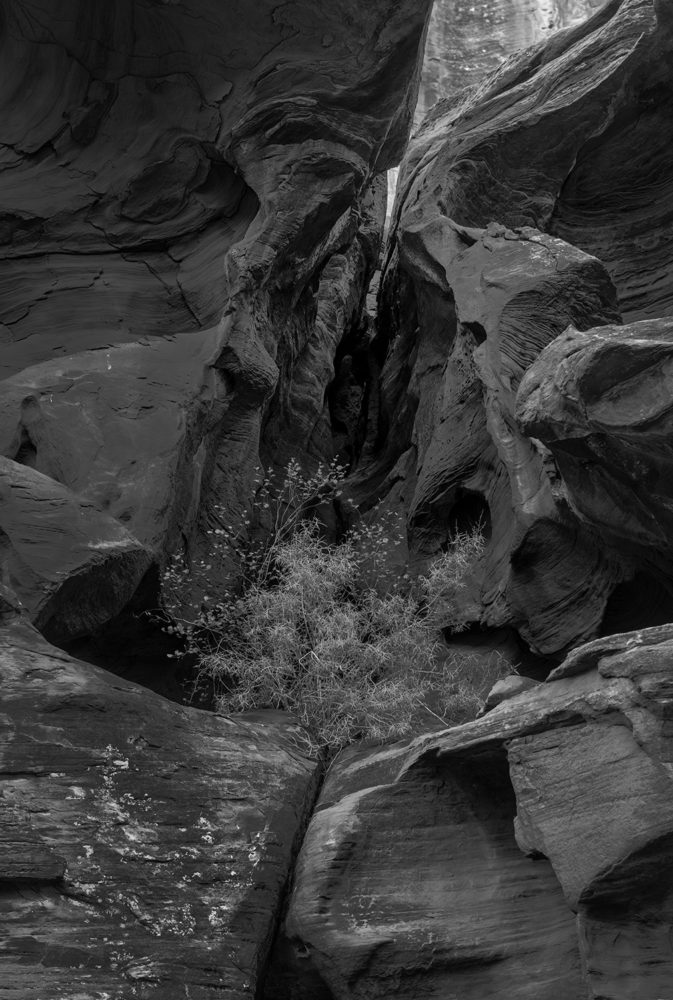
column 572, row 137
column 600, row 400
column 409, row 881
column 470, row 310
column 464, row 311
column 70, row 564
column 141, row 141
column 106, row 452
column 192, row 200
column 469, row 38
column 145, row 845
column 191, row 204
column 190, row 212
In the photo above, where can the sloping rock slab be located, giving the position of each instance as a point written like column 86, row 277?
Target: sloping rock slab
column 71, row 565
column 145, row 845
column 408, row 882
column 467, row 42
column 127, row 427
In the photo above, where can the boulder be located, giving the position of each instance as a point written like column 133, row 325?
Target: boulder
column 190, row 195
column 507, row 687
column 106, row 453
column 146, row 845
column 600, row 401
column 418, row 889
column 570, row 137
column 409, row 882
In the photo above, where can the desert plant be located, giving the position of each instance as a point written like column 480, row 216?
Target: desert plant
column 309, row 631
column 446, row 579
column 460, row 684
column 278, row 508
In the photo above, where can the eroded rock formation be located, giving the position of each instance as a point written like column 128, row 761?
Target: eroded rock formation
column 204, row 188
column 411, row 881
column 458, row 326
column 601, row 402
column 145, row 845
column 191, row 206
column 191, row 202
column 108, row 450
column 469, row 38
column 572, row 137
column 470, row 310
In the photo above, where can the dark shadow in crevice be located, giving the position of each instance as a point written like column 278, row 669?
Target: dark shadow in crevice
column 506, row 641
column 26, row 453
column 469, row 513
column 133, row 645
column 642, row 602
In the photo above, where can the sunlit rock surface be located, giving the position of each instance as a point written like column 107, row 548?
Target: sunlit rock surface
column 572, row 137
column 469, row 38
column 409, row 882
column 145, row 845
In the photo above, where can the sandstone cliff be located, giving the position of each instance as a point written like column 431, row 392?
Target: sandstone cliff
column 570, row 139
column 192, row 203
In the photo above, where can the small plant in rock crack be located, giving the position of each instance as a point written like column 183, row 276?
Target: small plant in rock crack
column 312, row 630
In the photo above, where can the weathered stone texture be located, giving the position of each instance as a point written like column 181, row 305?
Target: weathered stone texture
column 600, row 400
column 469, row 38
column 142, row 140
column 145, row 845
column 191, row 204
column 409, row 883
column 465, row 310
column 106, row 452
column 468, row 311
column 68, row 562
column 417, row 888
column 573, row 137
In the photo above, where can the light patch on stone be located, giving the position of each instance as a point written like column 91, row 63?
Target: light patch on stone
column 218, row 916
column 109, row 543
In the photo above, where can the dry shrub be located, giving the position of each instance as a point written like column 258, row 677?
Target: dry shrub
column 309, row 632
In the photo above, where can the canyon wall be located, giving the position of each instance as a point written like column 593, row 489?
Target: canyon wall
column 469, row 38
column 192, row 200
column 191, row 210
column 564, row 150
